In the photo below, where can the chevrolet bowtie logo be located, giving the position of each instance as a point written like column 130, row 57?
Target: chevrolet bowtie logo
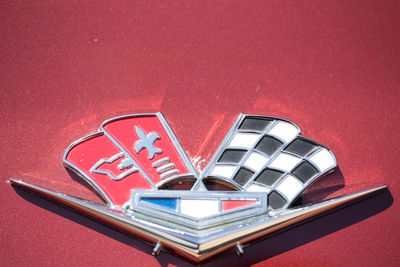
column 264, row 164
column 147, row 142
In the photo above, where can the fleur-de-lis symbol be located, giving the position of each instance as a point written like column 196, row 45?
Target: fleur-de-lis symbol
column 147, row 142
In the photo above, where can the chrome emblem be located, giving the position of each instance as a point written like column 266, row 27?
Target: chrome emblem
column 137, row 166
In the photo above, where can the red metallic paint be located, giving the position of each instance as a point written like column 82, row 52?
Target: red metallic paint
column 332, row 67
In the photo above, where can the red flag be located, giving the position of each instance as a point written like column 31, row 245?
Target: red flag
column 129, row 152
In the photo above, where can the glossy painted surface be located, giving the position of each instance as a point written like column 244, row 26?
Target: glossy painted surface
column 332, row 68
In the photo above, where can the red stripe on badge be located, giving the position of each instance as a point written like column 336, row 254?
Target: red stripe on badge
column 234, row 204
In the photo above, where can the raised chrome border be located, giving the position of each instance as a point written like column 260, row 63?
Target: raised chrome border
column 238, row 214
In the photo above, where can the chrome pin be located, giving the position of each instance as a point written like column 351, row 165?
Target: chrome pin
column 157, row 249
column 239, row 249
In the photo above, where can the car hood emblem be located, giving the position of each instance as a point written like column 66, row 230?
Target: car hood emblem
column 136, row 164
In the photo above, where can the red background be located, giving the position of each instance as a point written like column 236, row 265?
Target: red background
column 330, row 66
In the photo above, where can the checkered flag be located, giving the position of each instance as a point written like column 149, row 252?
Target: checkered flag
column 267, row 154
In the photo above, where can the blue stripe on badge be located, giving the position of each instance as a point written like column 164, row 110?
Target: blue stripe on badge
column 168, row 203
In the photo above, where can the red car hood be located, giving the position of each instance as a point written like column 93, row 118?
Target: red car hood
column 333, row 68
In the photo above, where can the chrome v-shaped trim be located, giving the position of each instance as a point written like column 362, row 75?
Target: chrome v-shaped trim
column 197, row 246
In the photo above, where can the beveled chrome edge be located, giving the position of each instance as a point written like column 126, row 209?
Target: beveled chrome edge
column 222, row 217
column 178, row 146
column 195, row 248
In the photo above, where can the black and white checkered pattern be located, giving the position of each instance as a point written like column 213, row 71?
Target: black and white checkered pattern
column 267, row 154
